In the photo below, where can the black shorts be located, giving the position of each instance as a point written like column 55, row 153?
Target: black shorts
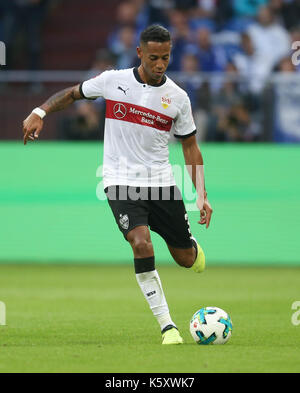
column 160, row 208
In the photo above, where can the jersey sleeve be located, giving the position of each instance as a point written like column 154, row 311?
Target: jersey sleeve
column 95, row 87
column 184, row 124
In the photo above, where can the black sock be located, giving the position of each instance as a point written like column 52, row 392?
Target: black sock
column 169, row 327
column 144, row 265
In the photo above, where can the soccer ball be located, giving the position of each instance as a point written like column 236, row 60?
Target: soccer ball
column 211, row 325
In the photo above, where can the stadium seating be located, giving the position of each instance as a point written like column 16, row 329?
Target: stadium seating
column 73, row 32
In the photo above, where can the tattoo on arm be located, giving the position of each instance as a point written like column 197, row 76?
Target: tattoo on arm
column 62, row 100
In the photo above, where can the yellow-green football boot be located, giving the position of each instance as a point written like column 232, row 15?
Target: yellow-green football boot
column 171, row 336
column 199, row 264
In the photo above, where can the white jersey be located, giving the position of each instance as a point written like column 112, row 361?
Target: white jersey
column 139, row 120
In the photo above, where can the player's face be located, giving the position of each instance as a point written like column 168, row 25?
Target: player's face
column 155, row 58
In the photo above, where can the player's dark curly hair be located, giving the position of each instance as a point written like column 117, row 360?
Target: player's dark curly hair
column 155, row 33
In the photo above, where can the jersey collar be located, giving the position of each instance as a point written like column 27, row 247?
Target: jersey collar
column 139, row 79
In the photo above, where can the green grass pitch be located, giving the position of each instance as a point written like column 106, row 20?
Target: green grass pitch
column 95, row 319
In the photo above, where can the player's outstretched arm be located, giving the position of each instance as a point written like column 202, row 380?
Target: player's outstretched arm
column 33, row 125
column 194, row 162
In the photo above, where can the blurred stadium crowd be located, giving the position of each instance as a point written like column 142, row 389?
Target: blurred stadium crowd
column 236, row 45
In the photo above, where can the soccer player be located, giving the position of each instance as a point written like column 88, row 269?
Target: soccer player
column 143, row 107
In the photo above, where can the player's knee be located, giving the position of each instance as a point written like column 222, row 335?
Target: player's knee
column 142, row 247
column 186, row 260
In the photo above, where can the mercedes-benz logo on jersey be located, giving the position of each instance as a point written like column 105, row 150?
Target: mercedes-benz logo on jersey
column 120, row 111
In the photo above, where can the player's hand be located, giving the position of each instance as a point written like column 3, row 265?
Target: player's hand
column 32, row 126
column 205, row 213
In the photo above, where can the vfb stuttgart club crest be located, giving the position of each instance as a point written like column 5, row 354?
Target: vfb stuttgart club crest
column 120, row 111
column 166, row 102
column 124, row 221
